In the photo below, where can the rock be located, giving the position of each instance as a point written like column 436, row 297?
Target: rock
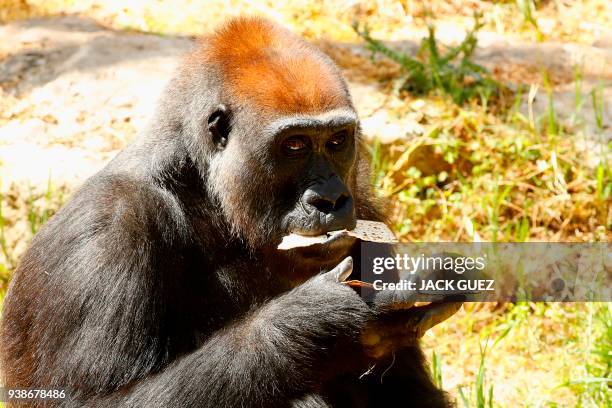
column 83, row 91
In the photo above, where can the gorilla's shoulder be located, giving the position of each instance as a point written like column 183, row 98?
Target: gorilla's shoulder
column 120, row 206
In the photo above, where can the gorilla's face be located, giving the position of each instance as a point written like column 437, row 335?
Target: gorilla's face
column 316, row 157
column 290, row 175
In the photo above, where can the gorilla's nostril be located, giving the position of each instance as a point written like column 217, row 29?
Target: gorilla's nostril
column 340, row 202
column 329, row 196
column 326, row 205
column 322, row 204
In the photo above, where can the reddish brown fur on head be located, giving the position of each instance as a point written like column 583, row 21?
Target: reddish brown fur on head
column 269, row 67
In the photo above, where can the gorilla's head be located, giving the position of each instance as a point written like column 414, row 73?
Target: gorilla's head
column 276, row 138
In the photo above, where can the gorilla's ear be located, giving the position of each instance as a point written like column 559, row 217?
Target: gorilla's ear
column 219, row 126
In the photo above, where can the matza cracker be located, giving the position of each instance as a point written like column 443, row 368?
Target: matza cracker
column 365, row 230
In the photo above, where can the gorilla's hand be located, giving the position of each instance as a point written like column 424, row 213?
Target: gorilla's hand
column 398, row 323
column 319, row 321
column 402, row 326
column 392, row 322
column 330, row 306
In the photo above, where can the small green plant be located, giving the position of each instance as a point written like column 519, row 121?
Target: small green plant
column 436, row 370
column 598, row 106
column 528, row 9
column 480, row 395
column 578, row 78
column 3, row 245
column 4, row 267
column 39, row 213
column 378, row 162
column 603, row 183
column 552, row 122
column 593, row 385
column 450, row 71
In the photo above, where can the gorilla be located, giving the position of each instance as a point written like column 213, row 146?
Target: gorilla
column 159, row 284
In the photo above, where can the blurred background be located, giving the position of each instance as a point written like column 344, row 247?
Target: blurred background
column 486, row 121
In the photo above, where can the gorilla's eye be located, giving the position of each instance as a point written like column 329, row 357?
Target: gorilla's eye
column 295, row 144
column 338, row 138
column 219, row 126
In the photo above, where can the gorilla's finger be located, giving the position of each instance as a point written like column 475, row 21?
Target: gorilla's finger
column 394, row 299
column 341, row 271
column 435, row 313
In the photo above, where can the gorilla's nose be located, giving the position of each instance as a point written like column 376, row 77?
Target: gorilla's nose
column 328, row 203
column 333, row 204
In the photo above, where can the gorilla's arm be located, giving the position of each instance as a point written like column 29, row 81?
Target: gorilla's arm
column 280, row 352
column 113, row 312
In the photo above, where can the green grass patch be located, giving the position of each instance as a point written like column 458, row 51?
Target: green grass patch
column 448, row 70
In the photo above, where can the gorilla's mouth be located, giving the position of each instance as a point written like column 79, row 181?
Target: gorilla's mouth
column 313, row 222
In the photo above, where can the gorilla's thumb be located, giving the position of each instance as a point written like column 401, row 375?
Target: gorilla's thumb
column 341, row 271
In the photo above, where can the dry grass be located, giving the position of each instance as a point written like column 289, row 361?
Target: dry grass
column 390, row 19
column 473, row 175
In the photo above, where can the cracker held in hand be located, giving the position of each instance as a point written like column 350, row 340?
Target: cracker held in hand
column 373, row 231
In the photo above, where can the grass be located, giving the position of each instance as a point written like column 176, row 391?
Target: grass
column 22, row 212
column 490, row 173
column 451, row 72
column 482, row 396
column 501, row 177
column 8, row 259
column 593, row 386
column 526, row 354
column 528, row 10
column 38, row 216
column 478, row 394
